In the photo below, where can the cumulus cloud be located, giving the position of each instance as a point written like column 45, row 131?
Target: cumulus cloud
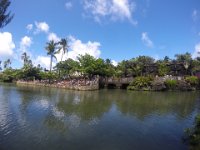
column 197, row 51
column 68, row 5
column 25, row 43
column 44, row 61
column 6, row 44
column 77, row 47
column 29, row 27
column 54, row 37
column 113, row 9
column 41, row 27
column 146, row 40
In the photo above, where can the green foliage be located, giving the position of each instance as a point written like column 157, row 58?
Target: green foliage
column 171, row 84
column 8, row 75
column 5, row 17
column 51, row 50
column 141, row 82
column 193, row 134
column 90, row 66
column 193, row 80
column 67, row 68
column 48, row 75
column 163, row 69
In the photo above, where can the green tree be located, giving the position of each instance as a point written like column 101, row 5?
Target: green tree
column 68, row 67
column 7, row 63
column 185, row 59
column 51, row 50
column 143, row 63
column 87, row 64
column 25, row 58
column 5, row 17
column 64, row 47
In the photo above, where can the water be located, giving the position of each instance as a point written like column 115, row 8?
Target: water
column 35, row 118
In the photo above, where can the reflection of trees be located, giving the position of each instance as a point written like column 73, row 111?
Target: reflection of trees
column 55, row 123
column 142, row 104
column 87, row 105
column 91, row 105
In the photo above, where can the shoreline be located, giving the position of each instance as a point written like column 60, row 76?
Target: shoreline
column 89, row 87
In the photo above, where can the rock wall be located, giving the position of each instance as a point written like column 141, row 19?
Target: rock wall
column 74, row 84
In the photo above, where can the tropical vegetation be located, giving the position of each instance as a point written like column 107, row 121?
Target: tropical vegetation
column 193, row 134
column 143, row 69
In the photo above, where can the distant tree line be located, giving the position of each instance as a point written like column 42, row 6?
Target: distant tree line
column 88, row 66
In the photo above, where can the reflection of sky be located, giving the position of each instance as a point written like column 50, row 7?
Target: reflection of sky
column 3, row 114
column 119, row 120
column 74, row 121
column 58, row 114
column 76, row 99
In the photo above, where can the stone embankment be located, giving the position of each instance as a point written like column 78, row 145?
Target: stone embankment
column 73, row 84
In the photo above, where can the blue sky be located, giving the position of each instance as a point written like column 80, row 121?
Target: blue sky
column 115, row 29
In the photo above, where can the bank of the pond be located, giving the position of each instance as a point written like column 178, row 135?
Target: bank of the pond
column 74, row 84
column 166, row 83
column 142, row 83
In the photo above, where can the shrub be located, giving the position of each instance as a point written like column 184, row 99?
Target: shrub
column 193, row 80
column 171, row 84
column 193, row 134
column 141, row 82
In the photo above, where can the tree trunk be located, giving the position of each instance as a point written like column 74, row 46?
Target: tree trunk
column 50, row 68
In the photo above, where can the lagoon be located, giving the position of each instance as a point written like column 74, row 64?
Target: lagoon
column 49, row 118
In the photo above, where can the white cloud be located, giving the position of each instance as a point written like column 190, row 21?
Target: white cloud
column 114, row 62
column 54, row 37
column 146, row 40
column 195, row 15
column 113, row 9
column 44, row 61
column 6, row 44
column 29, row 27
column 197, row 51
column 41, row 27
column 77, row 47
column 25, row 44
column 68, row 5
column 26, row 41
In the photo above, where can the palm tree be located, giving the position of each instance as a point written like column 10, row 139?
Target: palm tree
column 51, row 50
column 0, row 65
column 25, row 58
column 7, row 63
column 64, row 47
column 5, row 17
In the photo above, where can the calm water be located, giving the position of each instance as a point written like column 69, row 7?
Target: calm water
column 34, row 118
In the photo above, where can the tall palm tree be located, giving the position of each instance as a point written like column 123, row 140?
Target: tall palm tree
column 64, row 46
column 7, row 63
column 51, row 50
column 5, row 17
column 25, row 58
column 0, row 65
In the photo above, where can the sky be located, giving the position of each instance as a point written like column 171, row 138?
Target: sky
column 114, row 29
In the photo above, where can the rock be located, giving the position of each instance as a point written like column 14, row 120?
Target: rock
column 158, row 85
column 184, row 86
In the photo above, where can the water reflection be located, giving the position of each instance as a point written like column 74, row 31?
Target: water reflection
column 112, row 119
